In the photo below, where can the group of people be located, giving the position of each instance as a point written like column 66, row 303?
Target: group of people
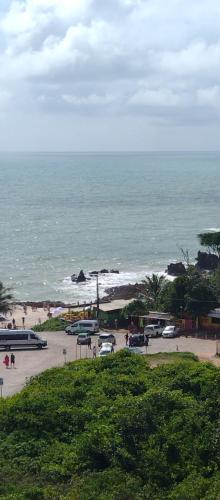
column 9, row 361
column 128, row 339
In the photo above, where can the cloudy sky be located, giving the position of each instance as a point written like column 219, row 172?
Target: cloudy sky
column 109, row 75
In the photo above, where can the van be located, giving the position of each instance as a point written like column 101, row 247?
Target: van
column 153, row 330
column 20, row 338
column 84, row 325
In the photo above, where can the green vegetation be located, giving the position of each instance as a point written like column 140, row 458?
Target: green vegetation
column 153, row 286
column 114, row 429
column 211, row 241
column 135, row 308
column 5, row 299
column 191, row 293
column 51, row 325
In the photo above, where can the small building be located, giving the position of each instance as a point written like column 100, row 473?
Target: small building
column 109, row 312
column 211, row 322
column 153, row 317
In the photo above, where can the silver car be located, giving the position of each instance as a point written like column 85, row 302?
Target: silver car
column 84, row 339
column 106, row 337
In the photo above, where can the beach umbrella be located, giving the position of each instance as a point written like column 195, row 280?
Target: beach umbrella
column 57, row 311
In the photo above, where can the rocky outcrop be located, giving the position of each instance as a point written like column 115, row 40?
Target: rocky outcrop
column 104, row 271
column 124, row 292
column 207, row 261
column 176, row 269
column 81, row 277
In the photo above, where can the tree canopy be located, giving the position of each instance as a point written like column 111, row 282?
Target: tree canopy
column 113, row 428
column 211, row 240
column 152, row 289
column 191, row 293
column 135, row 308
column 5, row 298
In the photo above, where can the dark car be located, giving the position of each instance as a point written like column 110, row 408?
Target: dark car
column 137, row 340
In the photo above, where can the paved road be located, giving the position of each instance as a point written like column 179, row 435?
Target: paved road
column 30, row 362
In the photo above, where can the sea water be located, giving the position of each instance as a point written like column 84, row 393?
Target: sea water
column 60, row 213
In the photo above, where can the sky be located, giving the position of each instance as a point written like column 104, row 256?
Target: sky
column 109, row 75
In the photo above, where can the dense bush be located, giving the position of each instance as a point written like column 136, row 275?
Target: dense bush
column 51, row 325
column 113, row 428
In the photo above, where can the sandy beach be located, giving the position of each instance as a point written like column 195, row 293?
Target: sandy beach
column 32, row 317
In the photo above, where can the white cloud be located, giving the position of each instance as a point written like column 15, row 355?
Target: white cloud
column 90, row 100
column 209, row 96
column 131, row 55
column 156, row 97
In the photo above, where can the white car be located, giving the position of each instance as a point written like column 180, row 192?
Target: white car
column 170, row 331
column 153, row 330
column 107, row 348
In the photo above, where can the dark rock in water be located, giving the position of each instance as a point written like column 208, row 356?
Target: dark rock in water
column 114, row 271
column 104, row 271
column 176, row 269
column 73, row 277
column 81, row 278
column 208, row 261
column 124, row 292
column 93, row 273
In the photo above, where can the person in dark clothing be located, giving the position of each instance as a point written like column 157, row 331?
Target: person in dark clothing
column 12, row 360
column 146, row 340
column 126, row 338
column 89, row 342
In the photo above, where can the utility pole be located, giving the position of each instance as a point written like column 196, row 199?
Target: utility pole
column 97, row 296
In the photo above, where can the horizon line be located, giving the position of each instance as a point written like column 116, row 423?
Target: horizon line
column 111, row 151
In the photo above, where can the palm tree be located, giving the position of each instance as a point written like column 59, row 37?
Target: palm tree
column 5, row 298
column 153, row 286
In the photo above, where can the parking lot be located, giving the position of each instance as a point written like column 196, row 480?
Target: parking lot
column 30, row 362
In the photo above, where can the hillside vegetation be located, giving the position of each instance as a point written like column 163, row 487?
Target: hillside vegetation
column 113, row 428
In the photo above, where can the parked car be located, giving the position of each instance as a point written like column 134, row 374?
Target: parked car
column 84, row 325
column 84, row 339
column 134, row 350
column 106, row 337
column 106, row 348
column 153, row 330
column 137, row 340
column 170, row 331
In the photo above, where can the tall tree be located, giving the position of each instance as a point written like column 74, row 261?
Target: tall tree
column 211, row 241
column 152, row 289
column 192, row 294
column 135, row 308
column 5, row 298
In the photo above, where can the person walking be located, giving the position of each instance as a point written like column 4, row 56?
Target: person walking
column 126, row 338
column 6, row 361
column 89, row 342
column 23, row 321
column 94, row 351
column 12, row 360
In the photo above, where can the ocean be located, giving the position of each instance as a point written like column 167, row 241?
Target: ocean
column 60, row 213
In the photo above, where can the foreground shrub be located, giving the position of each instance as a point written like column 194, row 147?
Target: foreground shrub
column 113, row 428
